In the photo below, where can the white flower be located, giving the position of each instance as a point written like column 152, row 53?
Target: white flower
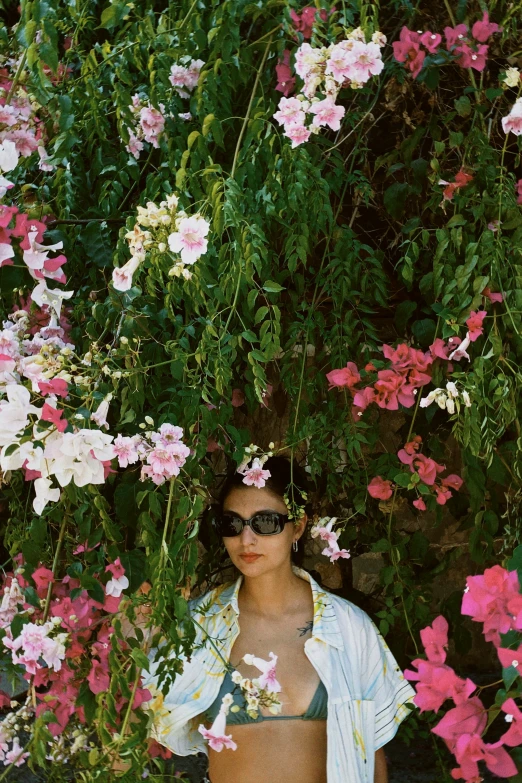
column 100, row 417
column 122, row 276
column 53, row 297
column 115, row 587
column 44, row 494
column 8, row 155
column 452, row 390
column 466, row 399
column 512, row 77
column 14, row 412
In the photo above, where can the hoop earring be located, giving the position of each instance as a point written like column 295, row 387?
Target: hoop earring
column 294, row 546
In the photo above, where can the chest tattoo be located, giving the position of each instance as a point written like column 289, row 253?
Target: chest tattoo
column 306, row 628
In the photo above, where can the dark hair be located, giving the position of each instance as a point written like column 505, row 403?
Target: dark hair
column 286, row 478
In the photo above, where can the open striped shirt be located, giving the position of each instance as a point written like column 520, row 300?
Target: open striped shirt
column 367, row 692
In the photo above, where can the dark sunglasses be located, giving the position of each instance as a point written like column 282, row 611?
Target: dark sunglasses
column 264, row 523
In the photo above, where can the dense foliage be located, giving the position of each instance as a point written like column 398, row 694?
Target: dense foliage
column 224, row 263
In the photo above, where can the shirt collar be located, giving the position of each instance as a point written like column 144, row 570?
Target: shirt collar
column 325, row 627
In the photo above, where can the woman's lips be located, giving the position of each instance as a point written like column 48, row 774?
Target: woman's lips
column 250, row 557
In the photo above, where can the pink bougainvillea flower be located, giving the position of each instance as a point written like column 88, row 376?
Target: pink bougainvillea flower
column 285, row 80
column 469, row 717
column 407, row 50
column 513, row 121
column 98, row 677
column 420, row 504
column 453, row 481
column 327, row 112
column 434, row 639
column 55, row 386
column 474, row 324
column 510, row 658
column 55, row 416
column 494, row 598
column 217, row 739
column 42, row 578
column 472, row 58
column 413, row 445
column 364, row 397
column 431, row 41
column 483, row 28
column 461, row 179
column 268, row 680
column 436, row 684
column 297, row 133
column 391, row 389
column 348, row 376
column 513, row 735
column 439, row 349
column 380, row 488
column 304, row 21
column 470, row 749
column 190, row 238
column 455, row 35
column 493, row 297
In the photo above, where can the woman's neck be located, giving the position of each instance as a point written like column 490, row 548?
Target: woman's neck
column 274, row 592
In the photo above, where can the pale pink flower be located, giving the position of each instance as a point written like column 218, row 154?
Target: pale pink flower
column 217, row 739
column 334, row 553
column 290, row 110
column 135, row 145
column 255, row 475
column 152, row 123
column 513, row 121
column 190, row 238
column 327, row 112
column 297, row 133
column 16, row 755
column 167, row 434
column 308, row 61
column 326, row 532
column 340, row 63
column 268, row 680
column 193, row 71
column 126, row 449
column 100, row 416
column 122, row 275
column 366, row 61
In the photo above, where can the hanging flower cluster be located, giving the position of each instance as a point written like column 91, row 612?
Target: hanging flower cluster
column 253, row 474
column 412, row 48
column 409, row 370
column 349, row 63
column 492, row 598
column 448, row 398
column 19, row 121
column 258, row 692
column 59, row 645
column 162, row 452
column 324, row 530
column 148, row 125
column 159, row 228
column 184, row 78
column 424, row 480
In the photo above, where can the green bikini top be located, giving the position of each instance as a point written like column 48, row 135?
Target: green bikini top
column 317, row 709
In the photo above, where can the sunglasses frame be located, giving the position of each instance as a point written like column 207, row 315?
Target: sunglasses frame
column 218, row 517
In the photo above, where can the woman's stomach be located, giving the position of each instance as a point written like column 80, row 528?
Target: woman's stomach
column 274, row 751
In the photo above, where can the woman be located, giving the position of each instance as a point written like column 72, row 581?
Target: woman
column 343, row 695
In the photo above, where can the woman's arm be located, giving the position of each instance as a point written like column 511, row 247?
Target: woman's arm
column 381, row 770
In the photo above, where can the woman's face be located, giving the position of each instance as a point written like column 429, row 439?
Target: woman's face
column 272, row 551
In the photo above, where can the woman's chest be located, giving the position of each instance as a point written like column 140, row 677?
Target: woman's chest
column 294, row 671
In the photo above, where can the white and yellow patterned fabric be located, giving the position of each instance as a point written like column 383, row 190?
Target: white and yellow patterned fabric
column 367, row 692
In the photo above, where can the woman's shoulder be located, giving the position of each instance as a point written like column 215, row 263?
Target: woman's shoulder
column 212, row 601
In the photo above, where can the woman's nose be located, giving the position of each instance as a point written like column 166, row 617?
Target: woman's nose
column 248, row 536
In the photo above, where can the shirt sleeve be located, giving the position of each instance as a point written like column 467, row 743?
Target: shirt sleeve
column 384, row 683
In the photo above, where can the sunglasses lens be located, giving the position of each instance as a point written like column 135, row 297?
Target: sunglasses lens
column 268, row 524
column 230, row 526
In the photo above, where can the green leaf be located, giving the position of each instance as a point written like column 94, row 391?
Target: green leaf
column 463, row 106
column 395, row 198
column 139, row 657
column 272, row 288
